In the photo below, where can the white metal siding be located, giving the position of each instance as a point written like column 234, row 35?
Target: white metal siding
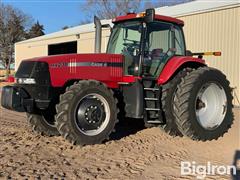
column 217, row 31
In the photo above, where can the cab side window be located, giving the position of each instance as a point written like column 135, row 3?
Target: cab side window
column 179, row 42
column 159, row 41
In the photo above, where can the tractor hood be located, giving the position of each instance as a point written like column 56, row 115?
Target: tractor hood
column 64, row 68
column 61, row 60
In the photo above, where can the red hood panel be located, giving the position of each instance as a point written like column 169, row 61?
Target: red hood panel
column 107, row 68
column 101, row 57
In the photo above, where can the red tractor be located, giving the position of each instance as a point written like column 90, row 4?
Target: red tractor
column 146, row 71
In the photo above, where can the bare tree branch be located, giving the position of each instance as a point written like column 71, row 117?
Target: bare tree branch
column 13, row 26
column 108, row 9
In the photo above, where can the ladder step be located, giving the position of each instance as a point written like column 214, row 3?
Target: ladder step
column 154, row 122
column 151, row 99
column 151, row 89
column 152, row 109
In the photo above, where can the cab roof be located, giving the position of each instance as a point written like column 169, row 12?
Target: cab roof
column 133, row 16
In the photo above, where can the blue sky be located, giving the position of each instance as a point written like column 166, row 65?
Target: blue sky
column 55, row 14
column 52, row 14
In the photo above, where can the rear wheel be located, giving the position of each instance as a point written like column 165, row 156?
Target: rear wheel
column 203, row 104
column 168, row 93
column 87, row 113
column 43, row 124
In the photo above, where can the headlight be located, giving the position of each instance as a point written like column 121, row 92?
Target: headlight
column 26, row 81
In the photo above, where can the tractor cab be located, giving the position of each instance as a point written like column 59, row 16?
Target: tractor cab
column 146, row 43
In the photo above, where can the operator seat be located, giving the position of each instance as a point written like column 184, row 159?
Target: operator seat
column 157, row 61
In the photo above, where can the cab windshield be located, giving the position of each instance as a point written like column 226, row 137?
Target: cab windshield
column 125, row 38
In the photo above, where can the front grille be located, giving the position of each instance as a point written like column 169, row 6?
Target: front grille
column 25, row 69
column 34, row 69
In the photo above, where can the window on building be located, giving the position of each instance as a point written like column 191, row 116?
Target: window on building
column 62, row 48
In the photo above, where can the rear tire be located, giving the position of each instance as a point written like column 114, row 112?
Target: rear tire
column 42, row 124
column 168, row 93
column 78, row 121
column 203, row 104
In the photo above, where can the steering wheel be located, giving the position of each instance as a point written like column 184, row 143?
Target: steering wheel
column 134, row 41
column 132, row 44
column 131, row 47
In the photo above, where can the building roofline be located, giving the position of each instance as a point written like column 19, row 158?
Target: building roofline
column 197, row 7
column 86, row 28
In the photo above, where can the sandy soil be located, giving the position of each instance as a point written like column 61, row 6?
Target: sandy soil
column 134, row 153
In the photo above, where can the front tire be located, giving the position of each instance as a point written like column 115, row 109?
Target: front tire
column 87, row 113
column 43, row 124
column 203, row 104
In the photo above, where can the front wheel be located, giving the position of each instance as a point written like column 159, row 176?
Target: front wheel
column 43, row 124
column 87, row 113
column 203, row 104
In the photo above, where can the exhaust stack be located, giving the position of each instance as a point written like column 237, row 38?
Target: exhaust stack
column 98, row 34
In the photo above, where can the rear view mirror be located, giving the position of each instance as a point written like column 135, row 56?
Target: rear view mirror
column 149, row 15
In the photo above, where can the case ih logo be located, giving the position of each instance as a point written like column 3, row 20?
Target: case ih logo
column 98, row 64
column 84, row 64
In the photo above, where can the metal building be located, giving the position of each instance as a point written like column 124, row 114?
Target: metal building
column 209, row 26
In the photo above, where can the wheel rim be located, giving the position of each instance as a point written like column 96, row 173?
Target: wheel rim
column 211, row 106
column 92, row 114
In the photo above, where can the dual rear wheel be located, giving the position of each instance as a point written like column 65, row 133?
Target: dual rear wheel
column 198, row 104
column 203, row 104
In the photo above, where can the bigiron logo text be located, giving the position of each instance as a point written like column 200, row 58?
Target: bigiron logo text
column 202, row 170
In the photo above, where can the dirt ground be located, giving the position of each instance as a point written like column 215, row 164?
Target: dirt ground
column 133, row 153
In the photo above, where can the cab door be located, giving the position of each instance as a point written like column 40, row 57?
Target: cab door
column 125, row 39
column 163, row 41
